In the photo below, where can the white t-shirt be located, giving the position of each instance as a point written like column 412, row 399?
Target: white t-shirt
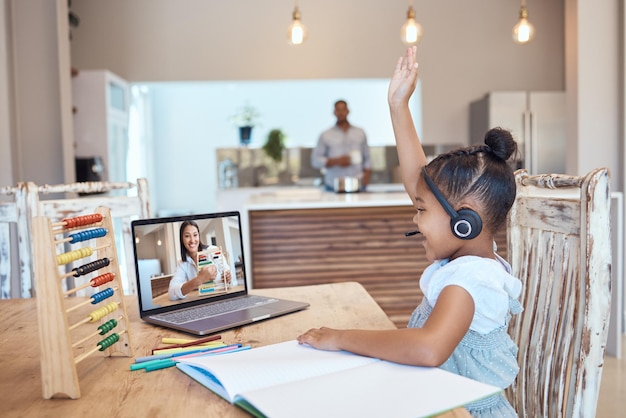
column 488, row 281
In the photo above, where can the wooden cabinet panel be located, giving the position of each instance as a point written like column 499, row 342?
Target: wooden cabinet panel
column 160, row 285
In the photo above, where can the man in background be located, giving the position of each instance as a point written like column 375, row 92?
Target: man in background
column 342, row 150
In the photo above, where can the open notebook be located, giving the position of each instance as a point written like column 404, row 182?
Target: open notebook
column 292, row 380
column 214, row 305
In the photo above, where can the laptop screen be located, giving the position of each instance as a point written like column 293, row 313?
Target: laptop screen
column 170, row 253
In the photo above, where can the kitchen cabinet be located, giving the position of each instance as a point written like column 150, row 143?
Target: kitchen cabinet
column 537, row 121
column 102, row 101
column 160, row 284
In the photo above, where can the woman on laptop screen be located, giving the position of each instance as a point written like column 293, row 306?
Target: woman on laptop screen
column 202, row 267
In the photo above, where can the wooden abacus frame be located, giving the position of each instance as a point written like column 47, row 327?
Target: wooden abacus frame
column 59, row 349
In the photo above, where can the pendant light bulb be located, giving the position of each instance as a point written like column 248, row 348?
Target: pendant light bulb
column 523, row 31
column 297, row 32
column 411, row 31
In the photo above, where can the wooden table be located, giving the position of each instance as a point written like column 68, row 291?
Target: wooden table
column 109, row 388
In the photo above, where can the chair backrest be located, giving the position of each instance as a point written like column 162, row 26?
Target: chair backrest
column 559, row 246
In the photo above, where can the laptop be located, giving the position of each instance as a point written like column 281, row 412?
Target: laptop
column 214, row 305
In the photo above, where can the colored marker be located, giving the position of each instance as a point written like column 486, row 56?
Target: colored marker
column 191, row 347
column 190, row 343
column 182, row 353
column 166, row 363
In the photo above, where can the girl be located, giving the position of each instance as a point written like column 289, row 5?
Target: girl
column 461, row 199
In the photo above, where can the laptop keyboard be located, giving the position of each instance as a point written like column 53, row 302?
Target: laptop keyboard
column 214, row 309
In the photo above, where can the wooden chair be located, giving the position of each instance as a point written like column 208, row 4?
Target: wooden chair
column 559, row 246
column 125, row 200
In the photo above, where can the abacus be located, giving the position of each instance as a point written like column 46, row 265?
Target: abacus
column 62, row 316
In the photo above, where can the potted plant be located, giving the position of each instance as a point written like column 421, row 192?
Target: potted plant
column 275, row 145
column 245, row 120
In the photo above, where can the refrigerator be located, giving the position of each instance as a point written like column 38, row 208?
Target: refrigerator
column 537, row 121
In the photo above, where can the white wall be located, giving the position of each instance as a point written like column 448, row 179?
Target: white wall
column 191, row 120
column 35, row 66
column 37, row 108
column 595, row 114
column 301, row 108
column 6, row 169
column 466, row 51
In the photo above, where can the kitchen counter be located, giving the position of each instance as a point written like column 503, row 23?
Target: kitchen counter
column 281, row 197
column 309, row 198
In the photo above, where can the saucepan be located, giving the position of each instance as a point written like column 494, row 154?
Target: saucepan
column 347, row 185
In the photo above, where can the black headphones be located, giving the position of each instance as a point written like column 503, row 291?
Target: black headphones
column 466, row 223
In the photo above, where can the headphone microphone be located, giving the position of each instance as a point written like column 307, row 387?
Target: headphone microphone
column 465, row 223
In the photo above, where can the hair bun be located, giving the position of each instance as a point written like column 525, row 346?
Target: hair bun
column 501, row 142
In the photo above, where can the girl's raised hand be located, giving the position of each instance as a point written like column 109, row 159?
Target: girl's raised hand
column 404, row 79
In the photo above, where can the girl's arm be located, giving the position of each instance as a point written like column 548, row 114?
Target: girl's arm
column 205, row 274
column 431, row 345
column 410, row 152
column 177, row 281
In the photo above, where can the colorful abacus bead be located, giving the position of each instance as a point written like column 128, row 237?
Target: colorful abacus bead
column 89, row 267
column 87, row 235
column 109, row 341
column 102, row 279
column 107, row 326
column 102, row 312
column 74, row 255
column 102, row 295
column 82, row 220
